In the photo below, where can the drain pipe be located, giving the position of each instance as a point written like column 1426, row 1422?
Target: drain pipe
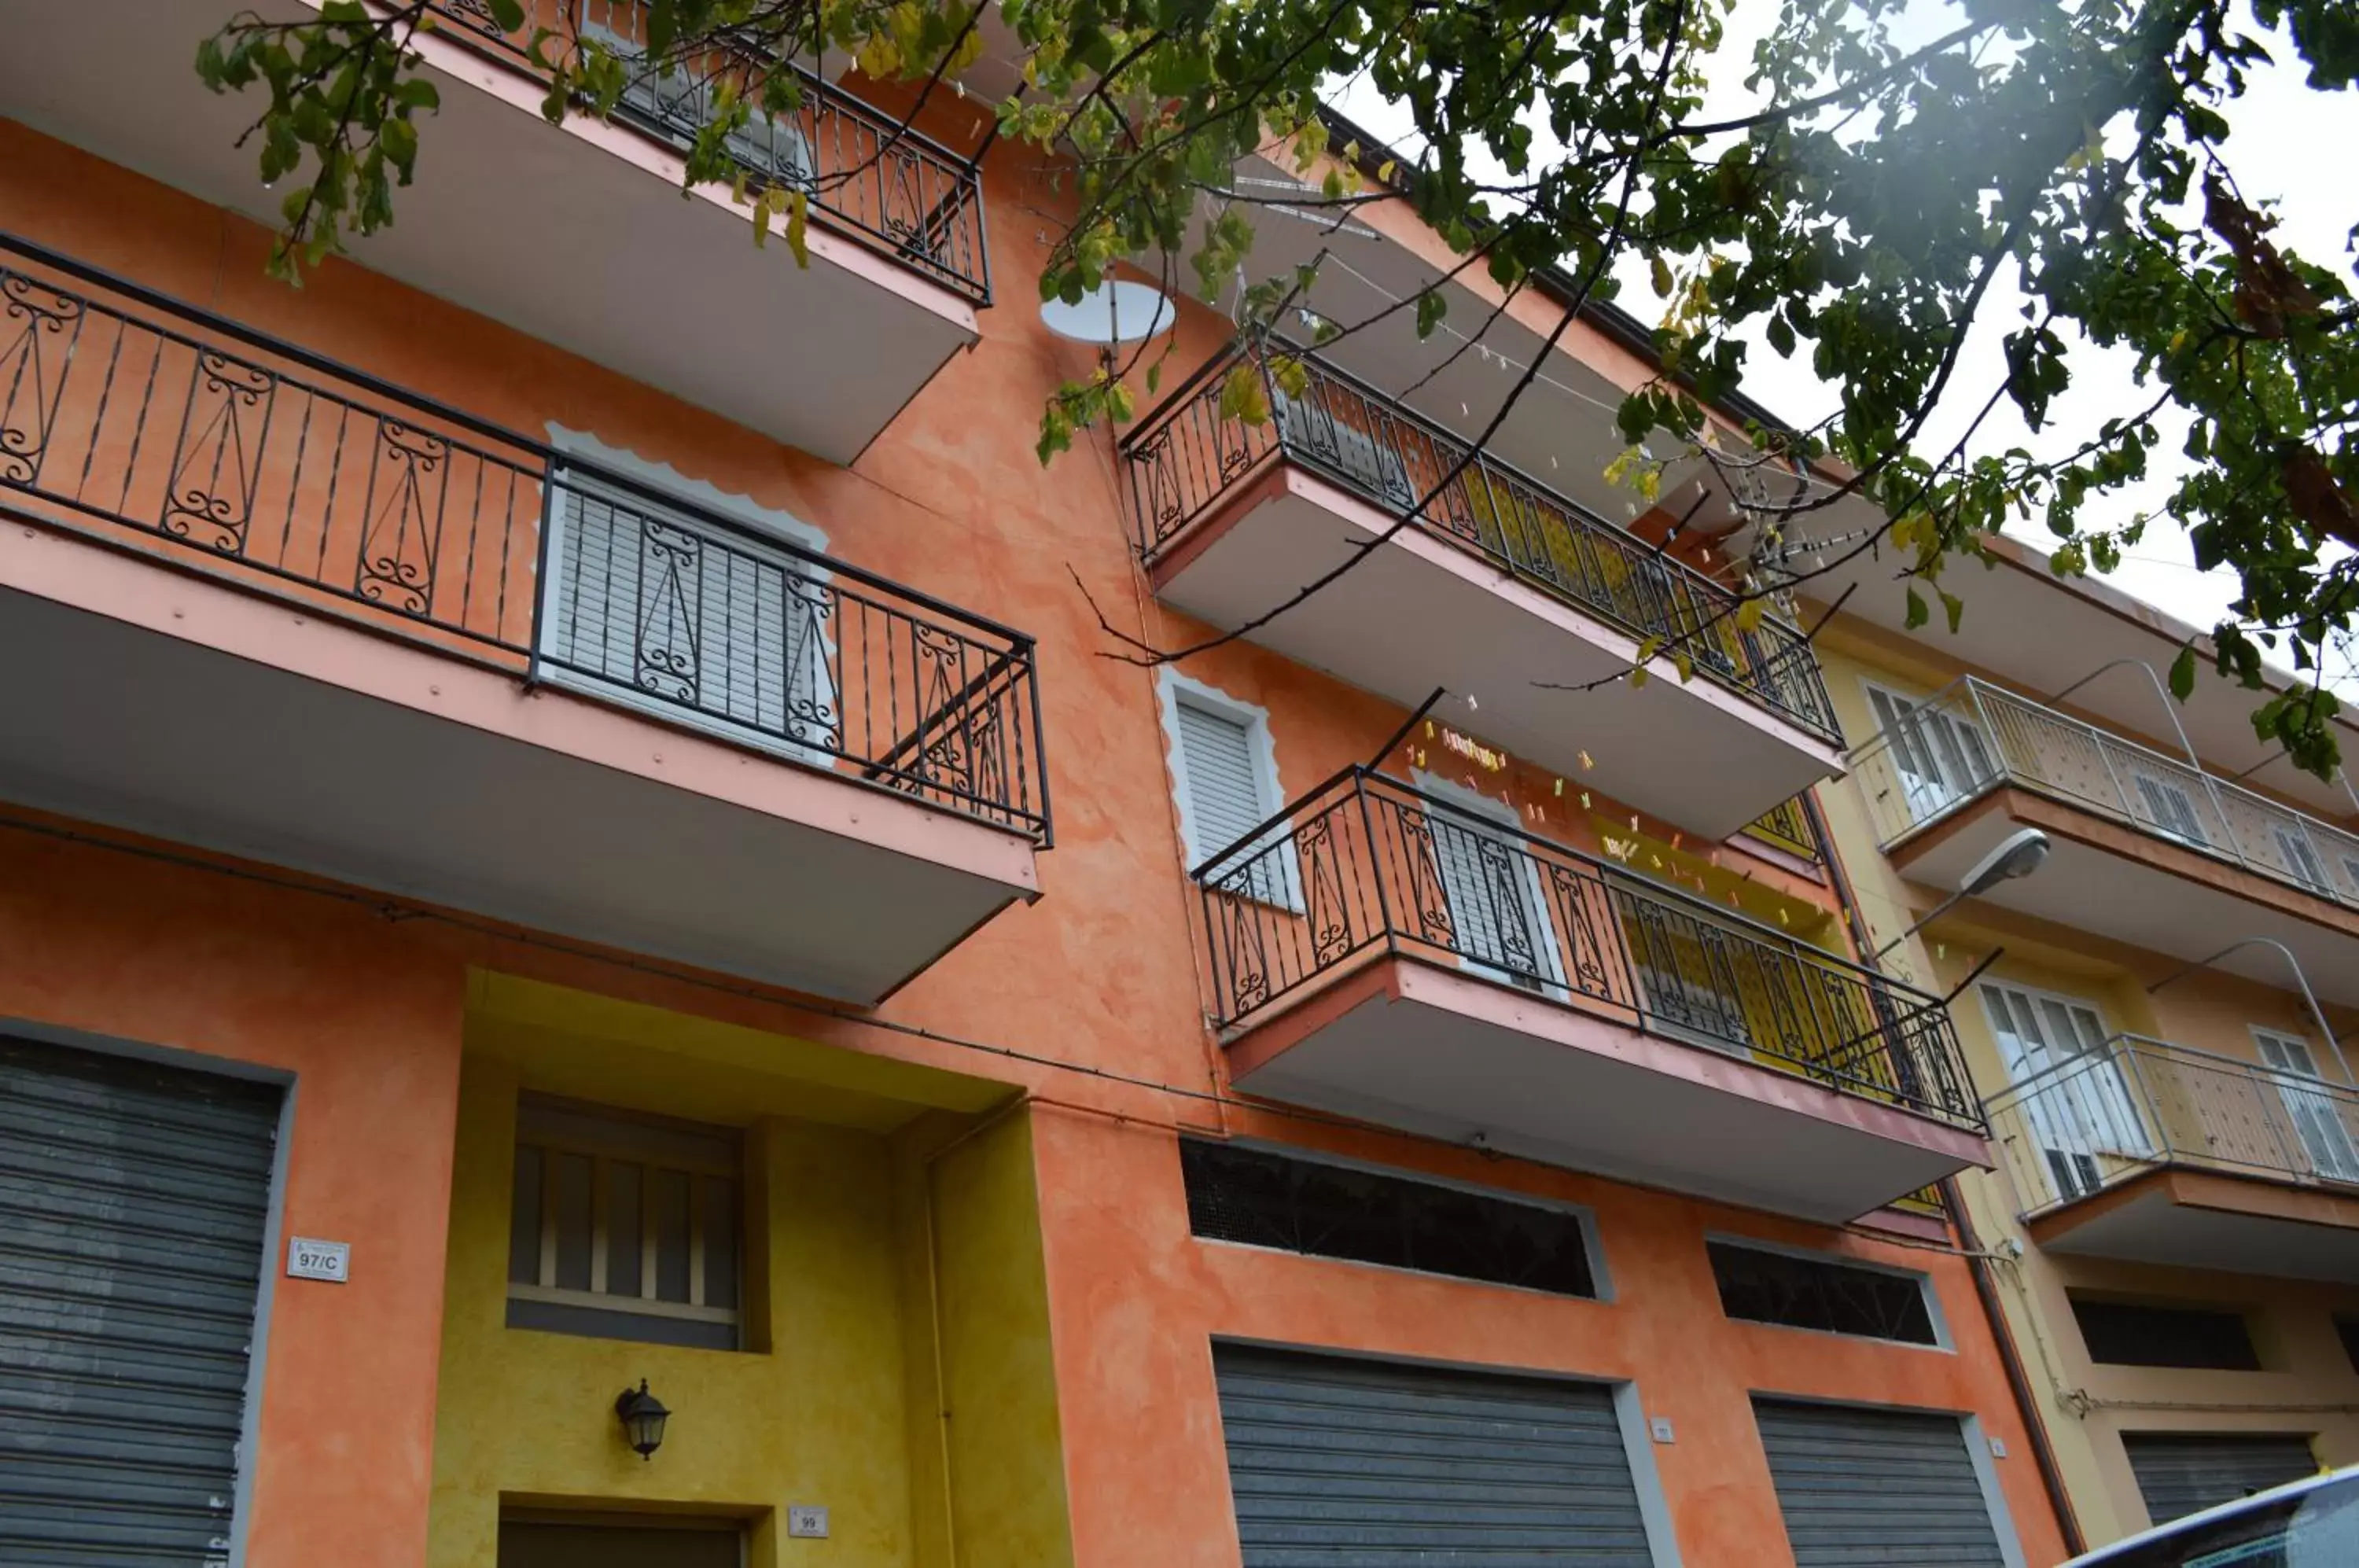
column 1978, row 1264
column 2318, row 1014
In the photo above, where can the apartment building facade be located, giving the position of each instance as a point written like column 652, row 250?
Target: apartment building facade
column 2152, row 1018
column 532, row 888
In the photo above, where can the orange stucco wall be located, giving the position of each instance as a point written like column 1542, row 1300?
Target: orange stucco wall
column 126, row 948
column 1102, row 972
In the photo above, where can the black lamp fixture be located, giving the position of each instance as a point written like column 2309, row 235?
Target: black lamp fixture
column 643, row 1416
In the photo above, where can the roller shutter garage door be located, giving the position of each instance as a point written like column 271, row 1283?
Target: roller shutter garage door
column 2183, row 1474
column 133, row 1202
column 1869, row 1488
column 1341, row 1462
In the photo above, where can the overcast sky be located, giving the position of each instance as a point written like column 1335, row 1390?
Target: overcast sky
column 2289, row 144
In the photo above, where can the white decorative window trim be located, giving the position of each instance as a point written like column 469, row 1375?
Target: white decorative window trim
column 1173, row 689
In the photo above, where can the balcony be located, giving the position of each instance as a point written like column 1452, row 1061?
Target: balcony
column 1497, row 586
column 1383, row 954
column 275, row 607
column 2150, row 850
column 578, row 235
column 2158, row 1153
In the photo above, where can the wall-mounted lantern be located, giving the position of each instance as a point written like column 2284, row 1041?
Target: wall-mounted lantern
column 642, row 1417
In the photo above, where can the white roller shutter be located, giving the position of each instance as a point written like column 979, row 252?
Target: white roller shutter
column 1347, row 1463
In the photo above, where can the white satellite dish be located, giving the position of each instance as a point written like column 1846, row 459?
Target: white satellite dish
column 1110, row 314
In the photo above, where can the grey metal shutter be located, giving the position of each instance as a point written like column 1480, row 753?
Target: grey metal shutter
column 719, row 627
column 1336, row 1461
column 2178, row 1474
column 1871, row 1488
column 133, row 1204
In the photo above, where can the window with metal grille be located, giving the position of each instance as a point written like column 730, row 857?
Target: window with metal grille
column 1266, row 1199
column 1761, row 1286
column 2128, row 1333
column 625, row 1227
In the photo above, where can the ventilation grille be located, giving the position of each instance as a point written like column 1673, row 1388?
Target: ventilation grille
column 1809, row 1293
column 1262, row 1199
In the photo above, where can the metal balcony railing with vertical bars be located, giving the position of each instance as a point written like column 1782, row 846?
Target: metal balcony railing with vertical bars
column 1972, row 738
column 1188, row 455
column 148, row 424
column 1365, row 866
column 888, row 185
column 2094, row 1120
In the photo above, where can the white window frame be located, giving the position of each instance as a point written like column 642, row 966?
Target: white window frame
column 2048, row 1114
column 612, row 1134
column 1926, row 799
column 1474, row 803
column 2341, row 1161
column 1172, row 690
column 663, row 479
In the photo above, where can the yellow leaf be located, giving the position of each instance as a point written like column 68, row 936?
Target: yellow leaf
column 799, row 226
column 1637, row 678
column 1749, row 616
column 1662, row 278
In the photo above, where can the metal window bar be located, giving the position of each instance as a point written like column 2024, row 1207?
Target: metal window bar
column 1386, row 869
column 891, row 187
column 150, row 424
column 2026, row 745
column 2103, row 1116
column 1186, row 456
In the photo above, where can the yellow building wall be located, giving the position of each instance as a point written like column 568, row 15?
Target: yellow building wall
column 860, row 1230
column 2309, row 1385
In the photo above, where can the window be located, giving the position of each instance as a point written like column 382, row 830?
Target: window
column 2168, row 811
column 683, row 617
column 2316, row 1113
column 2076, row 1101
column 625, row 1227
column 1263, row 1198
column 1224, row 771
column 1940, row 754
column 1491, row 889
column 1763, row 1286
column 2125, row 1334
column 2300, row 859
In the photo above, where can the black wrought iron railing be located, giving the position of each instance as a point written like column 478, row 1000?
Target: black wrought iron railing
column 147, row 423
column 894, row 188
column 1187, row 455
column 1366, row 865
column 1786, row 827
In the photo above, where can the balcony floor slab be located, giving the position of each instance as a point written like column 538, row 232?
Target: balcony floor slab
column 1420, row 611
column 2195, row 1219
column 1404, row 1044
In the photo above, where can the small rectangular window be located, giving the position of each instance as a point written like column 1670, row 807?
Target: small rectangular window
column 625, row 1227
column 2126, row 1334
column 1266, row 1199
column 1761, row 1286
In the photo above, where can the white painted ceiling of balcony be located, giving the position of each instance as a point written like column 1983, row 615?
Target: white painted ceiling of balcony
column 1559, row 431
column 532, row 226
column 2042, row 635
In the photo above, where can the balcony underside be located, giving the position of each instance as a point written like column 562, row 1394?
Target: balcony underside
column 579, row 236
column 2196, row 1219
column 1421, row 613
column 1404, row 1044
column 2143, row 889
column 284, row 736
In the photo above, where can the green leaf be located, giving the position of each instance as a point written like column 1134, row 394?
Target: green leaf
column 1955, row 609
column 507, row 14
column 2182, row 673
column 1917, row 613
column 798, row 227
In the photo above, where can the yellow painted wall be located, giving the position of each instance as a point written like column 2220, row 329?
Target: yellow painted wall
column 836, row 1400
column 2309, row 1385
